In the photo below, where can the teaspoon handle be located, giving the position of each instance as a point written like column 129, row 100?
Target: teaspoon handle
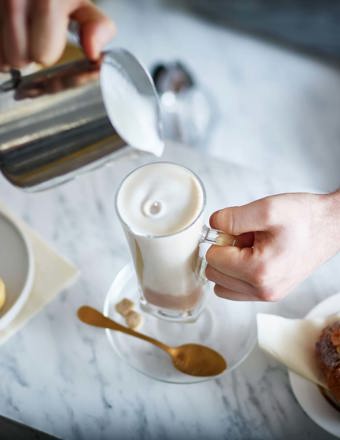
column 91, row 316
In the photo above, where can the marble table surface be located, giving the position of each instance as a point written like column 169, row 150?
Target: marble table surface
column 62, row 377
column 277, row 130
column 277, row 110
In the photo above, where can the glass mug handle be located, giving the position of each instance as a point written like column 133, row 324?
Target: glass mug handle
column 217, row 237
column 213, row 236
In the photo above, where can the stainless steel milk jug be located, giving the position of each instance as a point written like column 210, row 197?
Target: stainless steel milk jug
column 60, row 121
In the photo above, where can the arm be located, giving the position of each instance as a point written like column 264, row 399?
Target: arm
column 281, row 240
column 36, row 30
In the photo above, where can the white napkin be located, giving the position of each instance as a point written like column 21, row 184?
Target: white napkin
column 292, row 342
column 53, row 273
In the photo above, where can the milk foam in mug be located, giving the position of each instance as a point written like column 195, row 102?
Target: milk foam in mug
column 160, row 206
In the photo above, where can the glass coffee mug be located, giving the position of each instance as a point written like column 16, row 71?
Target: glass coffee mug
column 160, row 206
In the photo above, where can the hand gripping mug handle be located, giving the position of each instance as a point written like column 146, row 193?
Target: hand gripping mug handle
column 219, row 238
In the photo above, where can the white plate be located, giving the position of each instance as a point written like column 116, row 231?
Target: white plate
column 306, row 393
column 226, row 326
column 16, row 268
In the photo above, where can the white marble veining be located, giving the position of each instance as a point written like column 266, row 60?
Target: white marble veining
column 278, row 111
column 279, row 114
column 61, row 376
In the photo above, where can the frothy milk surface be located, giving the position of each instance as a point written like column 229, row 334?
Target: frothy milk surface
column 160, row 199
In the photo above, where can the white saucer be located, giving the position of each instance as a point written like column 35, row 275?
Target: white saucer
column 226, row 326
column 308, row 394
column 16, row 268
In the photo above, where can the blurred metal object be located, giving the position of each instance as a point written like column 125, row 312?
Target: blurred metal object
column 12, row 82
column 188, row 112
column 54, row 123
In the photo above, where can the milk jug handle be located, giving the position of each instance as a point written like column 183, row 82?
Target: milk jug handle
column 12, row 83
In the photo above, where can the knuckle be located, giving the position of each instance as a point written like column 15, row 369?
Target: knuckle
column 268, row 211
column 264, row 283
column 260, row 275
column 267, row 293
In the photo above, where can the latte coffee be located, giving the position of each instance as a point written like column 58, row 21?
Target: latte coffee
column 161, row 208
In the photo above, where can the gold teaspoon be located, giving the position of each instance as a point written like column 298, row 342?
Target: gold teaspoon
column 193, row 359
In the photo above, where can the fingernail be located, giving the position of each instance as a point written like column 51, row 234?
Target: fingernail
column 104, row 35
